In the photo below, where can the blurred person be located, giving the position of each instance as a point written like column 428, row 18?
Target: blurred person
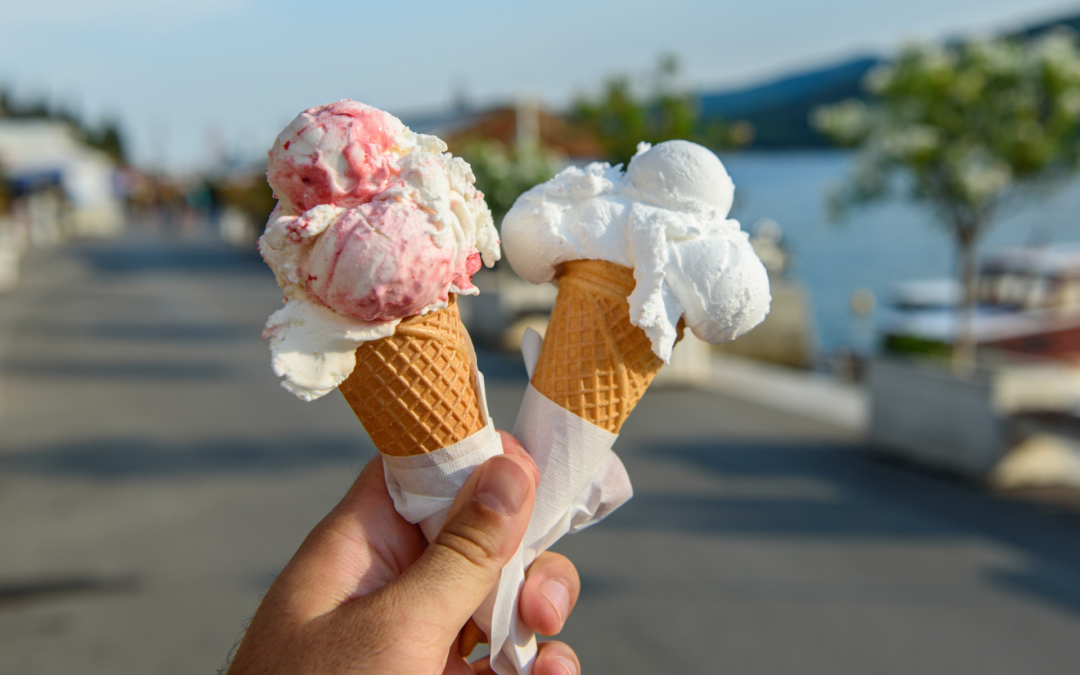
column 198, row 202
column 366, row 592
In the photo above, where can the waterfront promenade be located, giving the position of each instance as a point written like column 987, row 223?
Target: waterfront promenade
column 153, row 477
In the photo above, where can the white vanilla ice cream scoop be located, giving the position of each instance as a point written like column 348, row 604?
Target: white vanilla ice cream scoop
column 666, row 218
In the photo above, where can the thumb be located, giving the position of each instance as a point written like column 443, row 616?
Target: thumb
column 484, row 528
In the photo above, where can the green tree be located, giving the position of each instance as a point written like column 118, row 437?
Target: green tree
column 621, row 118
column 502, row 173
column 974, row 129
column 250, row 193
column 108, row 139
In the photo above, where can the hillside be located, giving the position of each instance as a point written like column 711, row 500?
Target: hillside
column 780, row 110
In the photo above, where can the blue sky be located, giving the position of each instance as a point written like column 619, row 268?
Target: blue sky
column 183, row 75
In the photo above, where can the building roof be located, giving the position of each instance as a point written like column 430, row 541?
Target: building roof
column 505, row 124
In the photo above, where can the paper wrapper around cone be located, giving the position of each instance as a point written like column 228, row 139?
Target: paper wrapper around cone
column 594, row 362
column 415, row 391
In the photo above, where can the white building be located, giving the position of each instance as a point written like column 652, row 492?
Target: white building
column 31, row 148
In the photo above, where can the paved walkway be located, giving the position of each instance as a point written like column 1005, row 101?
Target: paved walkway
column 153, row 477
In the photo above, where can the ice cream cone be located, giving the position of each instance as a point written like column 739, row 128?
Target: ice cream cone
column 415, row 391
column 594, row 362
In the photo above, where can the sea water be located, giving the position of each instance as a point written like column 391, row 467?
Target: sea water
column 875, row 246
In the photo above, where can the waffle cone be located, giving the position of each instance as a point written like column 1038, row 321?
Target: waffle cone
column 414, row 391
column 594, row 362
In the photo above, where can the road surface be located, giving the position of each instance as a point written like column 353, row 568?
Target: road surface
column 154, row 476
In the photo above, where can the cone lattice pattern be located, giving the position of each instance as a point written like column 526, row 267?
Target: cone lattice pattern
column 414, row 391
column 594, row 362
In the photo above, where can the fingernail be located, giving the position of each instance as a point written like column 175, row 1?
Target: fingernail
column 559, row 597
column 567, row 664
column 502, row 486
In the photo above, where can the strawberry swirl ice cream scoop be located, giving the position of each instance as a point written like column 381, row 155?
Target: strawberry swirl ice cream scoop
column 377, row 262
column 374, row 224
column 341, row 154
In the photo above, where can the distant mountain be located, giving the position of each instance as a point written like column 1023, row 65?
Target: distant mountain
column 780, row 110
column 1038, row 29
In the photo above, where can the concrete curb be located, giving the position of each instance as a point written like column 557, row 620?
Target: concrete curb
column 801, row 393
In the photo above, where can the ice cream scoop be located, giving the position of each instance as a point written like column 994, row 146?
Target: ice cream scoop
column 665, row 218
column 374, row 224
column 344, row 154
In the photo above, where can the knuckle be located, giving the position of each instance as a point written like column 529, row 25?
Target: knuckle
column 477, row 546
column 553, row 559
column 555, row 564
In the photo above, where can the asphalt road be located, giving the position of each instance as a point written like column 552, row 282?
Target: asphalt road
column 153, row 477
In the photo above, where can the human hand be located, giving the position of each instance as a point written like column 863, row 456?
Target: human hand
column 367, row 593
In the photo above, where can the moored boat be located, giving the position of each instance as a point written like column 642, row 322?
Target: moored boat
column 1028, row 303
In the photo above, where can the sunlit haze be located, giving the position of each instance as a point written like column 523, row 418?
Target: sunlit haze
column 186, row 76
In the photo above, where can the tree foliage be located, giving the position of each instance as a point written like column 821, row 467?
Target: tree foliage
column 621, row 117
column 972, row 128
column 107, row 138
column 251, row 194
column 502, row 173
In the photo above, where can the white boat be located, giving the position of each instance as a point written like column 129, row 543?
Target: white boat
column 1029, row 303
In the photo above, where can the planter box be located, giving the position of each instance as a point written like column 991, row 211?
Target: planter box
column 925, row 413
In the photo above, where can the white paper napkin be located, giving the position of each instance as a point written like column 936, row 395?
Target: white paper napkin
column 424, row 487
column 581, row 482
